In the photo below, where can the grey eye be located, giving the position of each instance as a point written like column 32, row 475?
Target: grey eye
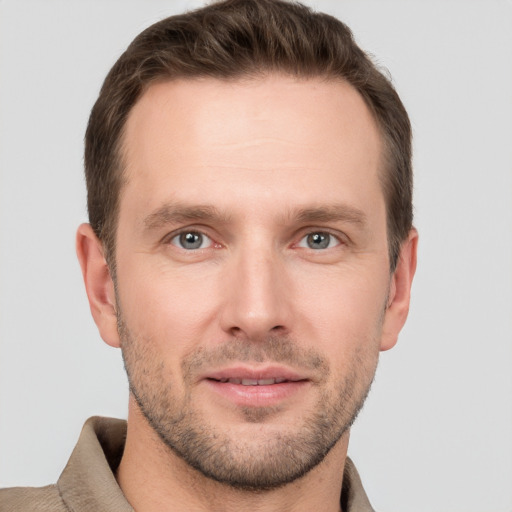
column 319, row 240
column 191, row 240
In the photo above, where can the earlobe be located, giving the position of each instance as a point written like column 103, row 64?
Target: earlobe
column 98, row 283
column 400, row 292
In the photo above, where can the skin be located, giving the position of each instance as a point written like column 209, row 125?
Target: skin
column 258, row 167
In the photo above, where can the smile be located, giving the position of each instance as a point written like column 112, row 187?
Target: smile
column 253, row 382
column 251, row 387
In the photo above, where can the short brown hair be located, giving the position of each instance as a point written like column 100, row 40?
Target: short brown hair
column 237, row 38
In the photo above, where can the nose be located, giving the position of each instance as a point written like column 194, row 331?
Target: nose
column 257, row 298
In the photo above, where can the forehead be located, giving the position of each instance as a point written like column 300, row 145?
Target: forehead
column 276, row 131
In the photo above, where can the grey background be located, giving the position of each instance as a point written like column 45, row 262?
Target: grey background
column 436, row 433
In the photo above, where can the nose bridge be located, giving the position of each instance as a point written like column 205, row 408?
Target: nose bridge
column 256, row 301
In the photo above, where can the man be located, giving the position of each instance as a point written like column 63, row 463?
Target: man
column 250, row 250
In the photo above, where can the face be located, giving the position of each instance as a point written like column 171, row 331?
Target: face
column 253, row 283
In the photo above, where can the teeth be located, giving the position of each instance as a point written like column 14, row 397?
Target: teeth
column 266, row 382
column 254, row 382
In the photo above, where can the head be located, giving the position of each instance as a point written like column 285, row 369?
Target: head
column 241, row 39
column 249, row 188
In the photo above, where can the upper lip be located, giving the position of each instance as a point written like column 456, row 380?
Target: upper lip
column 255, row 373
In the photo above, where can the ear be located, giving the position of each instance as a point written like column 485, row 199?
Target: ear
column 98, row 283
column 400, row 292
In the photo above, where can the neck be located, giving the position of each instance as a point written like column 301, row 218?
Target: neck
column 153, row 478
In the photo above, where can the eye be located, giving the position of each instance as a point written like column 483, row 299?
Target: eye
column 319, row 240
column 191, row 240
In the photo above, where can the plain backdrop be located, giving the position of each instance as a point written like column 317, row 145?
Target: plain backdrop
column 436, row 433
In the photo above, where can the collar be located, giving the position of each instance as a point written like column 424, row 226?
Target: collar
column 88, row 481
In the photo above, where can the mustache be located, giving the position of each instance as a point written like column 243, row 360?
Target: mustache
column 272, row 349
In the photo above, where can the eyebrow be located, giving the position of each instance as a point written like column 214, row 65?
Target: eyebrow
column 177, row 213
column 331, row 213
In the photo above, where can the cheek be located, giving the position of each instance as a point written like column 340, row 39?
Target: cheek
column 170, row 306
column 344, row 307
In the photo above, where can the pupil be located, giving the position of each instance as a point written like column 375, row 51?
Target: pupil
column 318, row 240
column 191, row 240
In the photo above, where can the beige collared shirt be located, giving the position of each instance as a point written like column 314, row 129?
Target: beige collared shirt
column 88, row 484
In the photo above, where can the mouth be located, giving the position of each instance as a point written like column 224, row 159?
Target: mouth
column 254, row 382
column 249, row 387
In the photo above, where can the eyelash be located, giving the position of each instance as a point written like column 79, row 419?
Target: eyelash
column 326, row 234
column 177, row 236
column 176, row 240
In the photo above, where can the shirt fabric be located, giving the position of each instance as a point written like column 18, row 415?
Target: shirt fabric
column 88, row 483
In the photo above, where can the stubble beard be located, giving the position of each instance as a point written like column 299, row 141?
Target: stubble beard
column 251, row 463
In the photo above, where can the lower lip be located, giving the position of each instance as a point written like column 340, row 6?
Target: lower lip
column 257, row 396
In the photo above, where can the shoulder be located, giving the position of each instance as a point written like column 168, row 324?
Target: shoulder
column 88, row 481
column 32, row 499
